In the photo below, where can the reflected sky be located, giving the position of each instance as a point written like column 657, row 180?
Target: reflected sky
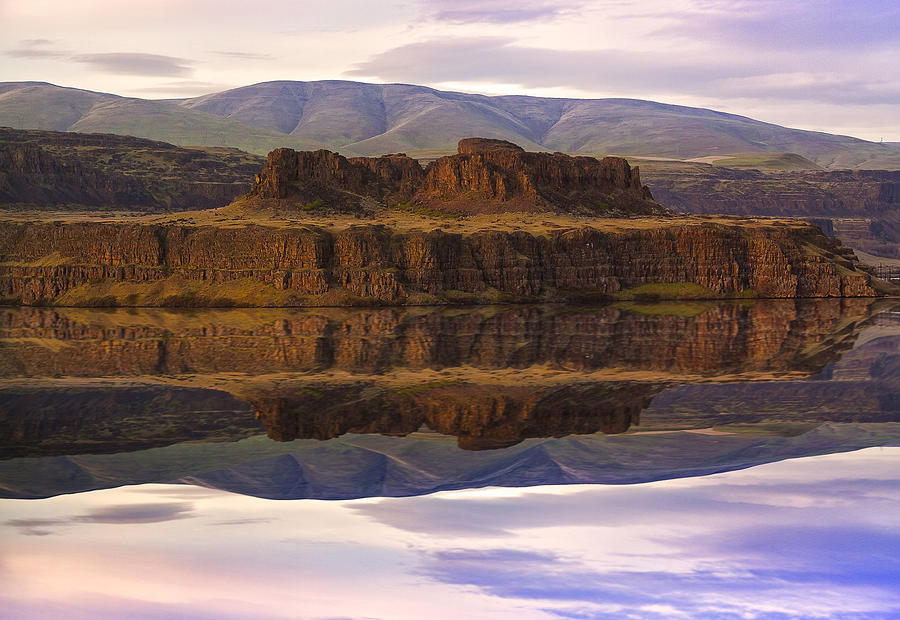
column 811, row 537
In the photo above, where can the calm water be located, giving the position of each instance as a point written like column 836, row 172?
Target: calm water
column 639, row 460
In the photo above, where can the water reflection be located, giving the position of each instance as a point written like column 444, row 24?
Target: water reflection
column 465, row 396
column 815, row 537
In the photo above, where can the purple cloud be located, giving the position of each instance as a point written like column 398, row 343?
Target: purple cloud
column 629, row 73
column 803, row 25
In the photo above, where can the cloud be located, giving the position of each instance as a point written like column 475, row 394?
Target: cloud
column 500, row 60
column 244, row 55
column 495, row 11
column 246, row 521
column 126, row 63
column 803, row 25
column 35, row 48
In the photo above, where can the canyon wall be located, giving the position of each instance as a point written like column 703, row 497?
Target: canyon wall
column 130, row 264
column 862, row 207
column 699, row 188
column 53, row 170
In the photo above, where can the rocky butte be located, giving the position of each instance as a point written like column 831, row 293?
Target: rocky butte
column 492, row 223
column 485, row 176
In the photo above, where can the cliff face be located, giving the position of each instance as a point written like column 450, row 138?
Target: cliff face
column 310, row 175
column 861, row 206
column 28, row 174
column 700, row 188
column 71, row 170
column 485, row 176
column 43, row 262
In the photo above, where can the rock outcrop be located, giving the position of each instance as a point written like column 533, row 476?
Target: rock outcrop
column 51, row 169
column 862, row 207
column 702, row 188
column 485, row 176
column 72, row 263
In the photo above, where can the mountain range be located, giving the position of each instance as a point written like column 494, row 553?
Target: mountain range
column 357, row 118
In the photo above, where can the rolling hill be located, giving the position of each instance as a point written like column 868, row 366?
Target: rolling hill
column 371, row 119
column 35, row 105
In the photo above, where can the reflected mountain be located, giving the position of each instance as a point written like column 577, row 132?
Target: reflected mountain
column 461, row 397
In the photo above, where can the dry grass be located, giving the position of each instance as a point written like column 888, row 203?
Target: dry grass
column 239, row 215
column 173, row 290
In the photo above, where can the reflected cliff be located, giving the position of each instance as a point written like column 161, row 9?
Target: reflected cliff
column 192, row 395
column 705, row 338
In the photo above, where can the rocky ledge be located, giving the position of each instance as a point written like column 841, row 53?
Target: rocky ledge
column 486, row 176
column 173, row 265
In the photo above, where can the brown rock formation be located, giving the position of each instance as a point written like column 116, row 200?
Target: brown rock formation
column 39, row 262
column 485, row 176
column 701, row 188
column 334, row 179
column 53, row 169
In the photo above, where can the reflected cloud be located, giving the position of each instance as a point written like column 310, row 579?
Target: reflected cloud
column 730, row 545
column 35, row 527
column 113, row 515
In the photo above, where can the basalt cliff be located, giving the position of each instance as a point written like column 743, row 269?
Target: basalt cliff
column 485, row 176
column 176, row 265
column 576, row 246
column 75, row 171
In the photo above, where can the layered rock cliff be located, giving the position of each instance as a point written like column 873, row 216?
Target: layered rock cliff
column 702, row 188
column 862, row 206
column 51, row 169
column 485, row 176
column 123, row 264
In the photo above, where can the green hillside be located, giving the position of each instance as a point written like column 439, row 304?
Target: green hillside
column 44, row 106
column 372, row 119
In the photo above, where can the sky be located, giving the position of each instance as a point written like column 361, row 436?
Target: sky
column 816, row 537
column 827, row 65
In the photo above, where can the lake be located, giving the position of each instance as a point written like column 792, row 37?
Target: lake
column 647, row 460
